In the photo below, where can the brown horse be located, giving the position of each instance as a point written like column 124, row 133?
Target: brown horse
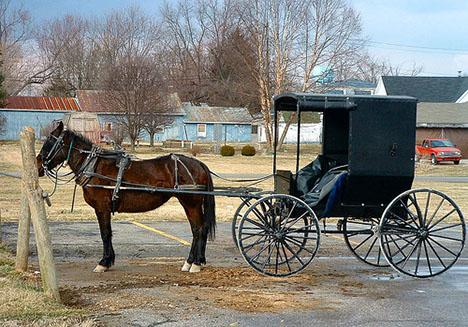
column 67, row 146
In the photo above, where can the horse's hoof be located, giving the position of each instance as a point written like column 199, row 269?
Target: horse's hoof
column 195, row 268
column 100, row 269
column 186, row 266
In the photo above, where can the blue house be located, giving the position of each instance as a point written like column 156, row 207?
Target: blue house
column 188, row 122
column 37, row 112
column 217, row 124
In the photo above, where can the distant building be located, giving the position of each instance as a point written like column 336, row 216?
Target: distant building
column 217, row 124
column 37, row 112
column 425, row 89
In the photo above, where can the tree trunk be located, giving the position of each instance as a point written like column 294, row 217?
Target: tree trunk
column 151, row 139
column 285, row 130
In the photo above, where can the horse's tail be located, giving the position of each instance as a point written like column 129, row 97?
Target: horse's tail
column 209, row 221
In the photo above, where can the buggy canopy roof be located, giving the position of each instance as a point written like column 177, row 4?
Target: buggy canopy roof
column 325, row 102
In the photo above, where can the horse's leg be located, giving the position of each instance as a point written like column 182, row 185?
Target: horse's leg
column 196, row 258
column 108, row 258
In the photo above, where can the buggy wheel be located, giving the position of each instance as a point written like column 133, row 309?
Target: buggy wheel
column 422, row 233
column 243, row 207
column 279, row 235
column 361, row 237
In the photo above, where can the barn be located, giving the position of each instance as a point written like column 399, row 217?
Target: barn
column 37, row 112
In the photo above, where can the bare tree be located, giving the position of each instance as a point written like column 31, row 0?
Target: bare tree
column 369, row 68
column 133, row 92
column 77, row 59
column 161, row 114
column 292, row 38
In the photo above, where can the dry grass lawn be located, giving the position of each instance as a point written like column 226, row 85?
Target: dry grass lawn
column 10, row 161
column 23, row 303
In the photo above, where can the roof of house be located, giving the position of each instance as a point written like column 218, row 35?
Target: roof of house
column 427, row 89
column 433, row 114
column 207, row 114
column 98, row 101
column 42, row 103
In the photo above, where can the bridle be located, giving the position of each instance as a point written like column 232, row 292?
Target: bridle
column 58, row 147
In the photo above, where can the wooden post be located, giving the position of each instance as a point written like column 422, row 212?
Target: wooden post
column 38, row 215
column 22, row 244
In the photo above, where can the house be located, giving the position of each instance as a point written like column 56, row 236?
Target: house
column 443, row 120
column 217, row 124
column 425, row 89
column 37, row 112
column 189, row 122
column 96, row 102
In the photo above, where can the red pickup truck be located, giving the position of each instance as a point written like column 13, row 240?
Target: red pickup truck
column 438, row 150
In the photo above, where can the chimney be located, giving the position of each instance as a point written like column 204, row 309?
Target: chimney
column 459, row 73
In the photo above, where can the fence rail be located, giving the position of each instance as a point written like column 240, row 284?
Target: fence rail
column 15, row 175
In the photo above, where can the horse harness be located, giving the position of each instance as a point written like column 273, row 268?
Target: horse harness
column 123, row 160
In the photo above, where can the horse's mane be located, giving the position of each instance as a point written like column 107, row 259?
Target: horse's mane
column 79, row 137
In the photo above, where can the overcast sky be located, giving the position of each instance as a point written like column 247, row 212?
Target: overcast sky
column 429, row 33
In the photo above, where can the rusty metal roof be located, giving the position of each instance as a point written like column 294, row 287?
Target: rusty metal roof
column 42, row 103
column 207, row 114
column 93, row 101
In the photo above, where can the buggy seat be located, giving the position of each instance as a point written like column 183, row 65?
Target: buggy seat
column 320, row 184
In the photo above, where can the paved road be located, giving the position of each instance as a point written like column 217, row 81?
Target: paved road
column 400, row 301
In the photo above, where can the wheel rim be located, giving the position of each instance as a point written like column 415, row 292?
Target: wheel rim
column 422, row 233
column 279, row 235
column 362, row 239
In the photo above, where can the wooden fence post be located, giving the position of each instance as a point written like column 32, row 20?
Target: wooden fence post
column 22, row 243
column 38, row 215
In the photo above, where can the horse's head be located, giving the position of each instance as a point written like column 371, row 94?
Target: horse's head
column 52, row 153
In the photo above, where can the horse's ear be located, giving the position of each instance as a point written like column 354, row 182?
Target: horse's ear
column 60, row 127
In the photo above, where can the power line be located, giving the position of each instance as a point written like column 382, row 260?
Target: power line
column 419, row 47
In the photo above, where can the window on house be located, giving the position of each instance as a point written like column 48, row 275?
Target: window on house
column 107, row 127
column 254, row 129
column 201, row 130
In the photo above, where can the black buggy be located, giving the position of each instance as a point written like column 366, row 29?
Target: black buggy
column 362, row 181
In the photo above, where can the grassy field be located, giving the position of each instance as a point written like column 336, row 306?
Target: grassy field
column 10, row 161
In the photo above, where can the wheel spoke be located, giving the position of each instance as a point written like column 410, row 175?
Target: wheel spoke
column 427, row 207
column 299, row 245
column 447, row 237
column 365, row 240
column 427, row 256
column 411, row 214
column 437, row 254
column 441, row 219
column 443, row 247
column 371, row 247
column 436, row 211
column 260, row 240
column 260, row 252
column 446, row 227
column 293, row 252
